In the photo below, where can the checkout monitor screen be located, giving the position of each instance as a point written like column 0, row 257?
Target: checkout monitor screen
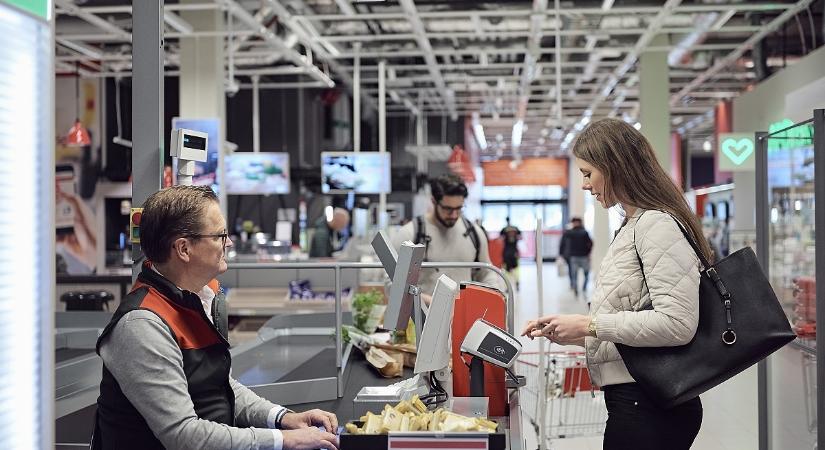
column 257, row 173
column 361, row 173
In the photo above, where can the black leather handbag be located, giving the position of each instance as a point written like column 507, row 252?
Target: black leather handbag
column 740, row 323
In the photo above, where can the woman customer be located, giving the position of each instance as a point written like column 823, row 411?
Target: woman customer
column 647, row 294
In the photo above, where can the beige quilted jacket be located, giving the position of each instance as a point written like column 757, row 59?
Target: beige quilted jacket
column 671, row 268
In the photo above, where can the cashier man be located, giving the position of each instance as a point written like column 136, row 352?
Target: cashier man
column 165, row 353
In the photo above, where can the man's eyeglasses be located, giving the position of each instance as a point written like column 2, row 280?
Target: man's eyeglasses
column 223, row 237
column 450, row 209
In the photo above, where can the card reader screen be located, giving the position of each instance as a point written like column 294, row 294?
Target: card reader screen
column 194, row 142
column 497, row 348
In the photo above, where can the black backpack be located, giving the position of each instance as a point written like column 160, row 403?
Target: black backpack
column 421, row 236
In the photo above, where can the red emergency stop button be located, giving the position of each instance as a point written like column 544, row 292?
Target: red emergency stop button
column 134, row 225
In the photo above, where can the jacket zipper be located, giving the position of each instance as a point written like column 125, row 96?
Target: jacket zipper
column 587, row 361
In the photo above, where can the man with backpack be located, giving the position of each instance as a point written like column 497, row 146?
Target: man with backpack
column 448, row 237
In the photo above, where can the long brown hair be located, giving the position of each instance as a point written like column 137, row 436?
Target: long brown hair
column 633, row 176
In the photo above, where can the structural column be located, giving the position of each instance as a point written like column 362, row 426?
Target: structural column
column 202, row 66
column 601, row 240
column 382, row 137
column 654, row 97
column 202, row 75
column 147, row 105
column 575, row 194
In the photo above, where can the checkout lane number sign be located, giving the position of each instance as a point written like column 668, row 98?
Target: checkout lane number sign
column 736, row 151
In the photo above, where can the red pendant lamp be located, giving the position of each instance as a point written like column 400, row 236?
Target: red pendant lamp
column 78, row 135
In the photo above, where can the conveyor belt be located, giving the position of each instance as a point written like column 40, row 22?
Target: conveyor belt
column 271, row 360
column 65, row 354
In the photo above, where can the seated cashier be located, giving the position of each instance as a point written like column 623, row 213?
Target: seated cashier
column 166, row 359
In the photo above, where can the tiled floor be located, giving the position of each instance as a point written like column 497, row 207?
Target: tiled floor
column 730, row 414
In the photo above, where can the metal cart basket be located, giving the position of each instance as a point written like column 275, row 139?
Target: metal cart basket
column 571, row 406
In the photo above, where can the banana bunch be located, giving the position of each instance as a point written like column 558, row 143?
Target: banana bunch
column 412, row 415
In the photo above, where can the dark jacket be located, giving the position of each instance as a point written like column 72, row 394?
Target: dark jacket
column 321, row 244
column 575, row 242
column 206, row 361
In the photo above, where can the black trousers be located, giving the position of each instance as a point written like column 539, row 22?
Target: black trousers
column 634, row 422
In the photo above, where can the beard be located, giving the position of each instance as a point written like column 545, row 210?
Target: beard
column 447, row 223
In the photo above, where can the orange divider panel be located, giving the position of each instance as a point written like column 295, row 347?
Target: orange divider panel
column 495, row 248
column 475, row 301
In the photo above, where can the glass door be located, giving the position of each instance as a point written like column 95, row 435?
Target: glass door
column 791, row 253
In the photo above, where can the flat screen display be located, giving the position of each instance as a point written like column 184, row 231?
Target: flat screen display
column 257, row 173
column 362, row 172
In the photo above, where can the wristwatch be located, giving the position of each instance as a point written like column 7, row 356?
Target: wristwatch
column 591, row 327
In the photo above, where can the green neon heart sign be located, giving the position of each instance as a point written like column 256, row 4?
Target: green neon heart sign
column 738, row 151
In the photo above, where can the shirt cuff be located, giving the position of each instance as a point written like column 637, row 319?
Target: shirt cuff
column 279, row 439
column 276, row 414
column 606, row 327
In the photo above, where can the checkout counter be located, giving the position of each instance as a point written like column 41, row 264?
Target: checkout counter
column 297, row 358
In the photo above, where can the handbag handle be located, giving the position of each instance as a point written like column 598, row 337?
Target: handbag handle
column 729, row 336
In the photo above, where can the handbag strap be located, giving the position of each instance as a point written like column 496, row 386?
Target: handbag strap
column 729, row 336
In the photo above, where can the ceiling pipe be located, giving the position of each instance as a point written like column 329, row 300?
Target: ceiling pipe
column 740, row 50
column 177, row 22
column 530, row 68
column 71, row 9
column 760, row 60
column 702, row 24
column 307, row 33
column 570, row 12
column 261, row 15
column 429, row 56
column 630, row 59
column 276, row 42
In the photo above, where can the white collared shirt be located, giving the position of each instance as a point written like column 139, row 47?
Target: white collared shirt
column 206, row 294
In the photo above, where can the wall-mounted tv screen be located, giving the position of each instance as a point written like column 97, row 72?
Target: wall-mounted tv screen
column 257, row 173
column 362, row 172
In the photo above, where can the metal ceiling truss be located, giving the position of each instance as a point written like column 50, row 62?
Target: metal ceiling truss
column 551, row 66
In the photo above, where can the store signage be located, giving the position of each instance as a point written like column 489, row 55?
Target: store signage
column 800, row 136
column 40, row 8
column 736, row 151
column 527, row 172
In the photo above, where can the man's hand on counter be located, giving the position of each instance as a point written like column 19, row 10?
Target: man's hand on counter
column 311, row 418
column 310, row 438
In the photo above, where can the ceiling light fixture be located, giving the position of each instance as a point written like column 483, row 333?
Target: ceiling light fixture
column 518, row 129
column 478, row 131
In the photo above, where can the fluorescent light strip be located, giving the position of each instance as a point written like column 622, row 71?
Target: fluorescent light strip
column 518, row 129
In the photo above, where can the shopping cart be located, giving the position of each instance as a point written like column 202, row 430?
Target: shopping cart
column 572, row 407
